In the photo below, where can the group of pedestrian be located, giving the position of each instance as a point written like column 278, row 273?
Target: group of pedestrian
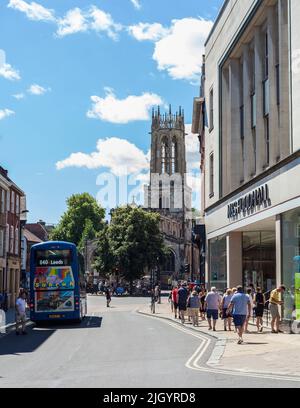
column 233, row 306
column 191, row 299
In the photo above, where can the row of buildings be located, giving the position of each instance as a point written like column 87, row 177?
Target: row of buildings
column 247, row 116
column 16, row 238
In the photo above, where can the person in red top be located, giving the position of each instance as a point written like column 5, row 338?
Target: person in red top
column 175, row 300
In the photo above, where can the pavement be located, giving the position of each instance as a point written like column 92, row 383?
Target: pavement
column 117, row 347
column 265, row 353
column 8, row 322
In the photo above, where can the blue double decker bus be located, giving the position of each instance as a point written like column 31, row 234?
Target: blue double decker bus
column 57, row 284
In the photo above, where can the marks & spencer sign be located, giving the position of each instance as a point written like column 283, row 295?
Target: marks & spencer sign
column 250, row 202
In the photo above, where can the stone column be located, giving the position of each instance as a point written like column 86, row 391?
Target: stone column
column 284, row 108
column 273, row 115
column 234, row 138
column 278, row 249
column 234, row 259
column 260, row 127
column 225, row 125
column 248, row 139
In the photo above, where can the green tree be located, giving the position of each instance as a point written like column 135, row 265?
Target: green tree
column 135, row 241
column 103, row 256
column 84, row 218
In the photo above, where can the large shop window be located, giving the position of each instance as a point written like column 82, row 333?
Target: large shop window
column 259, row 259
column 291, row 263
column 218, row 263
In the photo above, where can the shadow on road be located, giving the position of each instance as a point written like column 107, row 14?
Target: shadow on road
column 12, row 344
column 89, row 322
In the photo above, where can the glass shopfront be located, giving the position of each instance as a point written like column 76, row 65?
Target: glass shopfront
column 291, row 263
column 259, row 259
column 218, row 262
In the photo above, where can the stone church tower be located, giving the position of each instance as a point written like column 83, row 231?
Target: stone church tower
column 168, row 192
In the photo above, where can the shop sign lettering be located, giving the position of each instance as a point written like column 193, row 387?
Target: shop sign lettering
column 250, row 202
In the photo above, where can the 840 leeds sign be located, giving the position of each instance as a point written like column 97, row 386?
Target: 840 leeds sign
column 246, row 204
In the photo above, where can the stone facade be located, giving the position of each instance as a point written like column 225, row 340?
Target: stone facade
column 251, row 139
column 168, row 192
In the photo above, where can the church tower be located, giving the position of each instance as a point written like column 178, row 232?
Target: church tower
column 168, row 193
column 168, row 143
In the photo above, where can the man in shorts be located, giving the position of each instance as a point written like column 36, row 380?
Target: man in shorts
column 212, row 304
column 274, row 303
column 240, row 308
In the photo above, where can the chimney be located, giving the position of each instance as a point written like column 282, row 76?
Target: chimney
column 3, row 172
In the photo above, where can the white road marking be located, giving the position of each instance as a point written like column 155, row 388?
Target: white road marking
column 193, row 361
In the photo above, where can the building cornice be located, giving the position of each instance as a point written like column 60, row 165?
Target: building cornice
column 266, row 173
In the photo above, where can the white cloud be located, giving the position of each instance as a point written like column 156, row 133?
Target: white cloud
column 192, row 149
column 136, row 4
column 94, row 19
column 73, row 22
column 103, row 22
column 6, row 70
column 132, row 108
column 179, row 52
column 146, row 31
column 36, row 89
column 5, row 113
column 118, row 155
column 33, row 11
column 18, row 96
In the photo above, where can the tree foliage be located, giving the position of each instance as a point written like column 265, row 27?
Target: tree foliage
column 135, row 241
column 84, row 219
column 104, row 260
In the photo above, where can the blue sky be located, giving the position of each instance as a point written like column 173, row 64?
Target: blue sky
column 56, row 55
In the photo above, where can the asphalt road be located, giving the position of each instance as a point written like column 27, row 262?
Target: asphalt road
column 114, row 347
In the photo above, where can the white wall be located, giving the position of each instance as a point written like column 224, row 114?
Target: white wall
column 219, row 42
column 295, row 70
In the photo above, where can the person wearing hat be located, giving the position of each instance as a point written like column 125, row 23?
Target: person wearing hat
column 194, row 305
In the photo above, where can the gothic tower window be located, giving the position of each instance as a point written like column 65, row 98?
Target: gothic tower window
column 164, row 157
column 174, row 156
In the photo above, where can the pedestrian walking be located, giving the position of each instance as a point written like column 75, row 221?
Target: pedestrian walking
column 21, row 313
column 227, row 318
column 175, row 299
column 182, row 297
column 194, row 305
column 108, row 297
column 274, row 302
column 249, row 294
column 212, row 304
column 202, row 295
column 240, row 308
column 259, row 304
column 170, row 300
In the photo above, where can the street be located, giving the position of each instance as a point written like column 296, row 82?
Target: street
column 115, row 347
